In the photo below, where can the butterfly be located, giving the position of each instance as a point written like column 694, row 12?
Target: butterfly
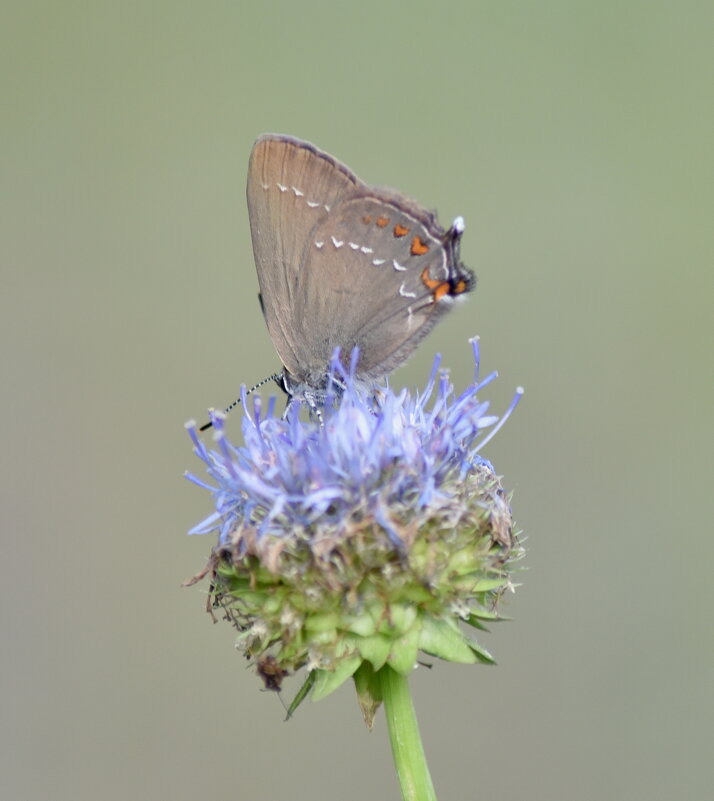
column 342, row 264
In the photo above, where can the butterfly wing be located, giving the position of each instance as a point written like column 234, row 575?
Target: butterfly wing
column 292, row 186
column 377, row 272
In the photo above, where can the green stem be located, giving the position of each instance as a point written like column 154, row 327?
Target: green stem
column 407, row 750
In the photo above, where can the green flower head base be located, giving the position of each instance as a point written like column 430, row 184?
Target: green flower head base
column 362, row 538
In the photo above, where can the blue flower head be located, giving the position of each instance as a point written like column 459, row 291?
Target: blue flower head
column 363, row 535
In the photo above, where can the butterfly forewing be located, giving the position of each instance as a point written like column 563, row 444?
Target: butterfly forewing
column 291, row 187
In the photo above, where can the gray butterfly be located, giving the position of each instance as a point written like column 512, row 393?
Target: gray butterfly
column 343, row 264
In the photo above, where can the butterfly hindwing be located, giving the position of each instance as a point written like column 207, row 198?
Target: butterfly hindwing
column 368, row 279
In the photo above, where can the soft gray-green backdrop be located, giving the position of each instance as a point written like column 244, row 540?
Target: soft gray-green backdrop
column 576, row 140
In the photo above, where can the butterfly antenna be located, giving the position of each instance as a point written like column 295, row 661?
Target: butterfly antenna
column 273, row 377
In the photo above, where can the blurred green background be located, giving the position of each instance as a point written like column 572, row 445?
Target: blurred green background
column 576, row 140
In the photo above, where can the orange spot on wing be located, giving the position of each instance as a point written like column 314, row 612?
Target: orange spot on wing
column 418, row 247
column 437, row 288
column 400, row 230
column 428, row 282
column 367, row 219
column 460, row 288
column 382, row 221
column 441, row 290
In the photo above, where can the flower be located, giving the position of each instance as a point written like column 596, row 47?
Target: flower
column 361, row 536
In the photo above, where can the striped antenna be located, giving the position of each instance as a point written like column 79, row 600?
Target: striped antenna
column 274, row 377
